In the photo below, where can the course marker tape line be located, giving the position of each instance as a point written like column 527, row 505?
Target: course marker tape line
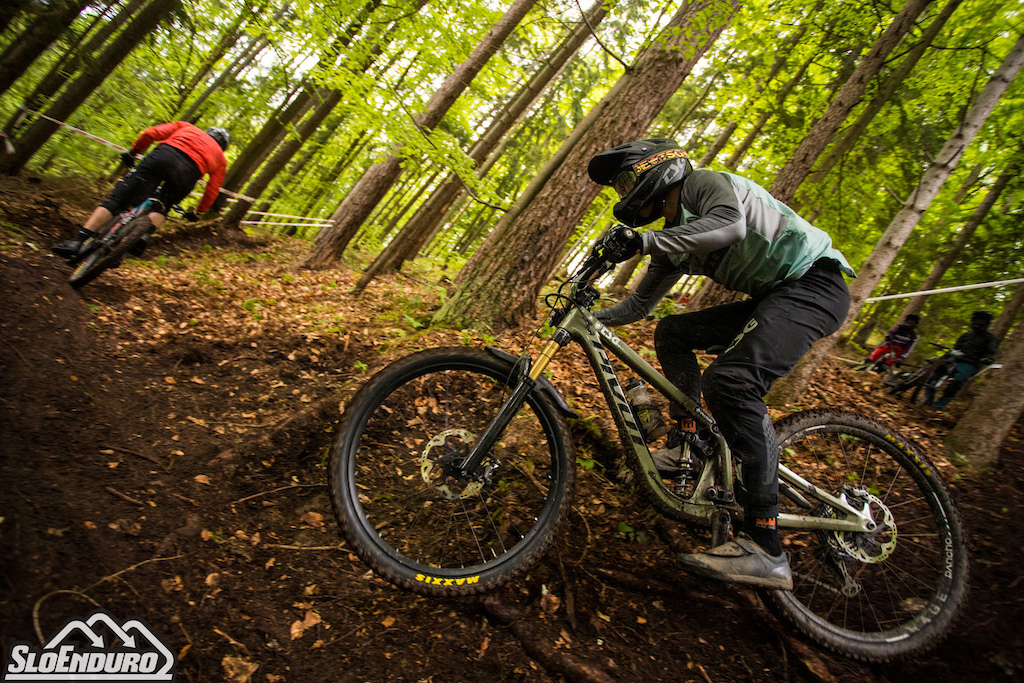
column 926, row 292
column 299, row 225
column 288, row 215
column 110, row 144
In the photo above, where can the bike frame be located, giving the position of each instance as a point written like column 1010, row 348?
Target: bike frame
column 713, row 495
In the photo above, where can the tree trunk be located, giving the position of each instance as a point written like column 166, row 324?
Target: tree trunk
column 717, row 145
column 1002, row 324
column 885, row 94
column 261, row 144
column 734, row 160
column 329, row 99
column 61, row 72
column 36, row 135
column 299, row 168
column 788, row 389
column 796, row 169
column 252, row 49
column 9, row 11
column 421, row 226
column 996, row 407
column 950, row 255
column 371, row 188
column 276, row 127
column 34, row 40
column 500, row 284
column 694, row 106
column 227, row 41
column 280, row 159
column 625, row 274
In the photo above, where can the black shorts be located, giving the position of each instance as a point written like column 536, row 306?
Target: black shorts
column 165, row 164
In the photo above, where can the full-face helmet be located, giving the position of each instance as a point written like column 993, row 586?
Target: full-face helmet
column 642, row 173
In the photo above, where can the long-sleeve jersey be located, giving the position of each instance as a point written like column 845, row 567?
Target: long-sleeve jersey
column 731, row 230
column 901, row 338
column 200, row 148
column 978, row 347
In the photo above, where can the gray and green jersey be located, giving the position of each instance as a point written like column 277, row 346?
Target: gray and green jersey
column 731, row 230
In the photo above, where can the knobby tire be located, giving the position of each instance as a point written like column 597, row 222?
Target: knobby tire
column 402, row 511
column 915, row 580
column 107, row 255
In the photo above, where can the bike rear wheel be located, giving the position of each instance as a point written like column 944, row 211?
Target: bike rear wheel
column 391, row 480
column 874, row 596
column 109, row 253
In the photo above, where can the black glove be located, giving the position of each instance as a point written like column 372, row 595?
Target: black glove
column 621, row 244
column 128, row 159
column 190, row 216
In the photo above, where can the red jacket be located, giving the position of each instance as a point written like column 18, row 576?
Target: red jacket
column 199, row 146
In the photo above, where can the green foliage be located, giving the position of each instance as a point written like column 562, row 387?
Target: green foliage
column 389, row 62
column 628, row 533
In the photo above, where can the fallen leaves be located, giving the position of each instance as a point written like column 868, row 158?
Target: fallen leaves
column 238, row 669
column 308, row 621
column 172, row 585
column 313, row 519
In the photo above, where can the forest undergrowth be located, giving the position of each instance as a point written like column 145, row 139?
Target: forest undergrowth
column 163, row 440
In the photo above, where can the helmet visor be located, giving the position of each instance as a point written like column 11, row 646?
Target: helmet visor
column 624, row 182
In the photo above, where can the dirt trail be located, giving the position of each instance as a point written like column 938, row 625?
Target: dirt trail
column 132, row 425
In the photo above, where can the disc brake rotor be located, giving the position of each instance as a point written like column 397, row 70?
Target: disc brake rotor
column 871, row 546
column 438, row 459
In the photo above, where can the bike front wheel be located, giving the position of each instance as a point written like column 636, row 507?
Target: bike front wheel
column 874, row 596
column 108, row 254
column 393, row 484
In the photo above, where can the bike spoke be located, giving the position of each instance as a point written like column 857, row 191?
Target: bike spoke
column 413, row 445
column 864, row 582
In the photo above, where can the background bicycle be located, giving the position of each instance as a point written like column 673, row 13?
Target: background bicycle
column 928, row 381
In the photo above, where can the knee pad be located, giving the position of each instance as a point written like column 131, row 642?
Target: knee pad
column 725, row 384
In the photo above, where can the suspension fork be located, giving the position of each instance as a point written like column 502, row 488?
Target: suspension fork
column 508, row 410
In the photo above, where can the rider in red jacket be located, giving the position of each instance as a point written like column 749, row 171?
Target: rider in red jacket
column 168, row 173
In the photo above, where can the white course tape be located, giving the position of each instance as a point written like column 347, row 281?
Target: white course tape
column 112, row 145
column 980, row 285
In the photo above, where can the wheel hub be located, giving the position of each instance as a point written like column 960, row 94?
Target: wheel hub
column 870, row 546
column 439, row 465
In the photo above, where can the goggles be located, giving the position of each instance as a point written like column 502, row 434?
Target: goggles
column 624, row 182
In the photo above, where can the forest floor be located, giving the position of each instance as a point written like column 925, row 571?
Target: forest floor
column 162, row 455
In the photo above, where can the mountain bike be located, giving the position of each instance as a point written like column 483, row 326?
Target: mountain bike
column 452, row 471
column 892, row 370
column 934, row 376
column 113, row 242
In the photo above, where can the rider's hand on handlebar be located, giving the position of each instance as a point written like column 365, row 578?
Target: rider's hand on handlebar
column 128, row 159
column 621, row 244
column 190, row 216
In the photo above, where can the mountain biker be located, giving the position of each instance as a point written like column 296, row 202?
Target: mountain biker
column 730, row 229
column 977, row 348
column 185, row 155
column 900, row 340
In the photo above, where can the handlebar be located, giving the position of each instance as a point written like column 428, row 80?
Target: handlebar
column 596, row 263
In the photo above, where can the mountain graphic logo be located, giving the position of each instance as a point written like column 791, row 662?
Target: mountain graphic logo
column 96, row 648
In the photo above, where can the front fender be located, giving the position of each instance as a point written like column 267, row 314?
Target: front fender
column 543, row 383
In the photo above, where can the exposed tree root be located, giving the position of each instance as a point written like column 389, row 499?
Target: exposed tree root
column 557, row 661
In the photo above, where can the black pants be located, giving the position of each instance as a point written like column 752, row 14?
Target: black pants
column 766, row 337
column 165, row 164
